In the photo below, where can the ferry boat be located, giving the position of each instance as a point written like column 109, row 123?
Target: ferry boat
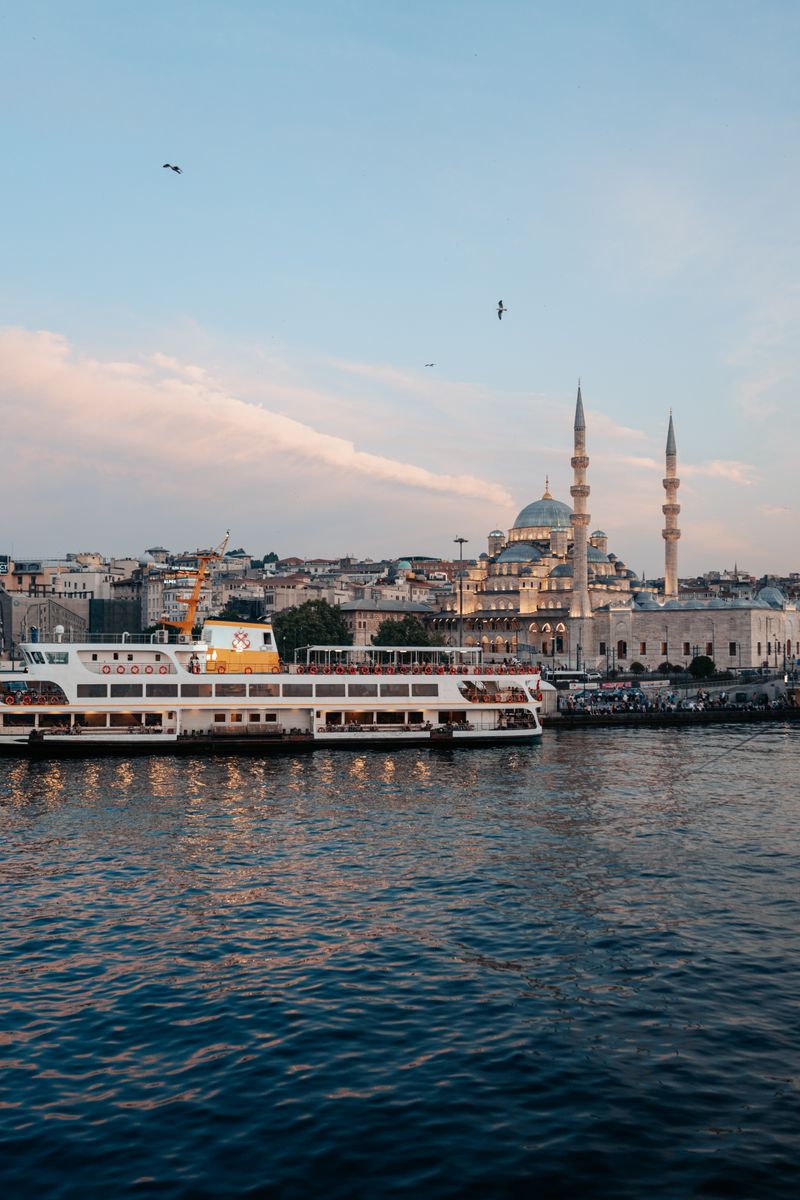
column 228, row 691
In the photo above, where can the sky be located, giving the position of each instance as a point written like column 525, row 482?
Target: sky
column 243, row 345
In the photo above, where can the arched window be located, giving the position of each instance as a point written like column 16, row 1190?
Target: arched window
column 622, row 649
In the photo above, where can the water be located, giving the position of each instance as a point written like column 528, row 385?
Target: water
column 568, row 970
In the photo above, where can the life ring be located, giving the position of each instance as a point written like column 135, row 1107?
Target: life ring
column 221, row 669
column 164, row 670
column 134, row 670
column 454, row 670
column 364, row 669
column 301, row 669
column 312, row 670
column 404, row 670
column 276, row 670
column 248, row 671
column 326, row 670
column 339, row 669
column 440, row 670
column 352, row 669
column 106, row 669
column 148, row 670
column 27, row 698
column 378, row 669
column 9, row 699
column 120, row 670
column 428, row 669
column 390, row 670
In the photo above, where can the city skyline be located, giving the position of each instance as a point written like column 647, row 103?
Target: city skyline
column 244, row 345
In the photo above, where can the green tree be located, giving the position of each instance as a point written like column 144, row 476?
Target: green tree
column 407, row 631
column 701, row 667
column 314, row 623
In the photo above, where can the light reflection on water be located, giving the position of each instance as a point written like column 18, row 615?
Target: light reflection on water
column 443, row 973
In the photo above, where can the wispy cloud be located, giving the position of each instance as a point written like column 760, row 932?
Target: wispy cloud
column 166, row 411
column 741, row 473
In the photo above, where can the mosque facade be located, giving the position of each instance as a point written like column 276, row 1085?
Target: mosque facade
column 549, row 591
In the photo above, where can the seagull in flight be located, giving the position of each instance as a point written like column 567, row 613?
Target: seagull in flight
column 501, row 308
column 177, row 170
column 430, row 364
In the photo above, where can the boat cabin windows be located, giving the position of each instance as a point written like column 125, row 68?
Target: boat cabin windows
column 298, row 689
column 254, row 719
column 60, row 657
column 231, row 689
column 236, row 718
column 424, row 689
column 394, row 689
column 219, row 718
column 124, row 720
column 264, row 689
column 362, row 689
column 120, row 691
column 196, row 690
column 330, row 689
column 92, row 691
column 37, row 657
column 162, row 689
column 90, row 720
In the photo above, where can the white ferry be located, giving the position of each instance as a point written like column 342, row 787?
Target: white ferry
column 228, row 692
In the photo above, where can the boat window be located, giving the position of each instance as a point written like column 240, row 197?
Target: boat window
column 254, row 718
column 415, row 718
column 57, row 656
column 394, row 689
column 231, row 689
column 196, row 689
column 362, row 689
column 298, row 689
column 124, row 720
column 219, row 718
column 330, row 689
column 162, row 689
column 236, row 718
column 390, row 718
column 424, row 689
column 91, row 720
column 265, row 689
column 91, row 690
column 120, row 690
column 37, row 656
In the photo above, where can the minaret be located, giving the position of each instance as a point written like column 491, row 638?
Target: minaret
column 670, row 532
column 580, row 606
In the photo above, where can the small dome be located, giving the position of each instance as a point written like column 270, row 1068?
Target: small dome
column 403, row 565
column 483, row 555
column 519, row 552
column 645, row 600
column 772, row 596
column 598, row 533
column 497, row 533
column 562, row 571
column 595, row 555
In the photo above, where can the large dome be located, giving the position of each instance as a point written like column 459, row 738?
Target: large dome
column 546, row 513
column 519, row 552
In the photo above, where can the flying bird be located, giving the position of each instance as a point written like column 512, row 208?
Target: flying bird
column 430, row 364
column 501, row 308
column 176, row 169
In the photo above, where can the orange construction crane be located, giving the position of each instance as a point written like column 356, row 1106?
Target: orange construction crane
column 186, row 624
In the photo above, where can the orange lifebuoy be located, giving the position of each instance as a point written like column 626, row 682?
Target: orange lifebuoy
column 9, row 699
column 415, row 670
column 106, row 669
column 440, row 670
column 163, row 670
column 134, row 670
column 390, row 670
column 120, row 670
column 429, row 669
column 352, row 669
column 221, row 669
column 378, row 669
column 326, row 670
column 248, row 671
column 404, row 670
column 312, row 670
column 454, row 670
column 364, row 669
column 148, row 670
column 27, row 698
column 339, row 669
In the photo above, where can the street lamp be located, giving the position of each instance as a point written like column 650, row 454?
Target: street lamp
column 578, row 649
column 461, row 541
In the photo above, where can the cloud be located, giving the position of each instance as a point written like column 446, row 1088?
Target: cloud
column 165, row 412
column 777, row 510
column 741, row 473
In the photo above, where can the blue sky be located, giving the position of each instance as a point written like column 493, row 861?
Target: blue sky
column 244, row 345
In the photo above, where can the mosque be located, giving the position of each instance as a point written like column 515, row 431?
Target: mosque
column 551, row 592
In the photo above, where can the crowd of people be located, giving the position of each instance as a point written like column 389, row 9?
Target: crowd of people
column 599, row 702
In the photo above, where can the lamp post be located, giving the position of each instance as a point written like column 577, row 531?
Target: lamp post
column 578, row 649
column 461, row 541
